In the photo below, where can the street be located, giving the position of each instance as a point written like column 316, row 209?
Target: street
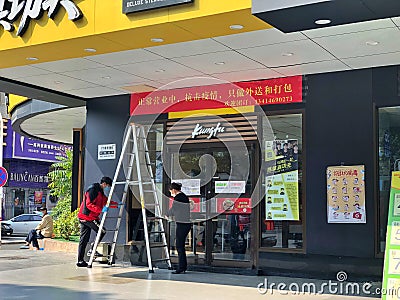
column 53, row 275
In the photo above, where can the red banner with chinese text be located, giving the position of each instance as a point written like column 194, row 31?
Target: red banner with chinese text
column 263, row 92
column 234, row 206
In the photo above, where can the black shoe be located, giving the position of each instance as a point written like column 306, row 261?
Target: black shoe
column 82, row 264
column 179, row 272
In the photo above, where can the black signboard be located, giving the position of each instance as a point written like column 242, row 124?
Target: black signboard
column 130, row 6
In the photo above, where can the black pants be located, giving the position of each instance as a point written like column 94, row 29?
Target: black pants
column 182, row 230
column 33, row 238
column 86, row 229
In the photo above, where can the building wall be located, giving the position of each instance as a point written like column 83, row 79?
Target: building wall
column 339, row 129
column 105, row 123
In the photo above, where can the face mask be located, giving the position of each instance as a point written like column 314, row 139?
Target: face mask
column 107, row 190
column 41, row 214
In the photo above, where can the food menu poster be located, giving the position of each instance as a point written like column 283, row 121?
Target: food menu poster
column 346, row 194
column 282, row 180
column 234, row 205
column 391, row 269
column 190, row 187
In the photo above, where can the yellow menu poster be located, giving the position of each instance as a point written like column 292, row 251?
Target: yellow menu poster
column 282, row 180
column 346, row 194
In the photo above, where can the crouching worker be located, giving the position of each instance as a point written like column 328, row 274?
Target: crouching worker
column 43, row 230
column 91, row 208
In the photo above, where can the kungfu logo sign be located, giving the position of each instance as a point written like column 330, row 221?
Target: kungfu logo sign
column 11, row 10
column 210, row 131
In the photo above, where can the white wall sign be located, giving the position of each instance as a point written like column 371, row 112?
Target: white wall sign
column 11, row 10
column 106, row 151
column 230, row 187
column 190, row 187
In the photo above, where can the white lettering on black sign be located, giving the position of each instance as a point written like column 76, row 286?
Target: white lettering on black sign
column 130, row 6
column 11, row 10
column 210, row 131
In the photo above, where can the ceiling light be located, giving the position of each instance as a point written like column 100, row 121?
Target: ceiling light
column 220, row 63
column 91, row 50
column 160, row 71
column 157, row 40
column 322, row 21
column 288, row 54
column 106, row 77
column 32, row 58
column 236, row 27
column 372, row 43
column 58, row 82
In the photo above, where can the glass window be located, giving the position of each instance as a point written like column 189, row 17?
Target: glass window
column 281, row 210
column 22, row 218
column 155, row 146
column 36, row 218
column 388, row 160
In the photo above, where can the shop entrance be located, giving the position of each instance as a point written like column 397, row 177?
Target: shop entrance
column 219, row 182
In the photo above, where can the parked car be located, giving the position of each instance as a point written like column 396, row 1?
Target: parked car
column 6, row 229
column 24, row 223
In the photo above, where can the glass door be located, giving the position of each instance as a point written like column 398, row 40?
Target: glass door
column 231, row 188
column 221, row 181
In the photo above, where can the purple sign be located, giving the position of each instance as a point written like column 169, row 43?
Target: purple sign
column 28, row 174
column 22, row 147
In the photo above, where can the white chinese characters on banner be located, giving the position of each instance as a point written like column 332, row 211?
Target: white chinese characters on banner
column 189, row 186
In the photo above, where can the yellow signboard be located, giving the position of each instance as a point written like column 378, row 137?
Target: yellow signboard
column 391, row 270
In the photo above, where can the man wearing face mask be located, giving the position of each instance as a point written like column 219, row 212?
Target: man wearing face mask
column 92, row 206
column 43, row 230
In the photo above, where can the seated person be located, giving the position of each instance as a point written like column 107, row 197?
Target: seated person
column 43, row 230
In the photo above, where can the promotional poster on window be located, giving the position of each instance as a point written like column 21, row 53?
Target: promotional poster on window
column 281, row 181
column 190, row 187
column 346, row 194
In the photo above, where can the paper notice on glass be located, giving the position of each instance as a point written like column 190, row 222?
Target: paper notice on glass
column 189, row 186
column 282, row 180
column 230, row 187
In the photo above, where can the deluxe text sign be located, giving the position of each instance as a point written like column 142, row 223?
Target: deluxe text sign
column 130, row 6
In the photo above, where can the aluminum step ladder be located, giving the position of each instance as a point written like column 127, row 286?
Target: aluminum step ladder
column 136, row 152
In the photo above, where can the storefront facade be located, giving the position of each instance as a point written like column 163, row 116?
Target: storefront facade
column 334, row 124
column 291, row 133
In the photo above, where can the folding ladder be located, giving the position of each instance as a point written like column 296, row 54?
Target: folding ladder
column 136, row 152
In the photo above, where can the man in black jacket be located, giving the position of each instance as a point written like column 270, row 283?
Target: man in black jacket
column 181, row 211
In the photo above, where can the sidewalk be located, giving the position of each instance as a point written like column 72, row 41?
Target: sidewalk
column 53, row 275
